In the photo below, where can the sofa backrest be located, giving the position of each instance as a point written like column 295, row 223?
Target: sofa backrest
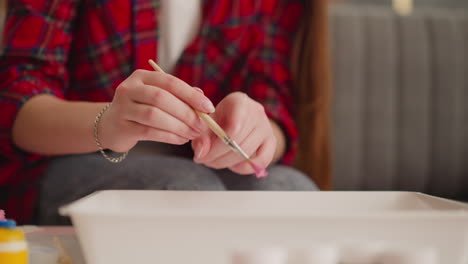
column 400, row 111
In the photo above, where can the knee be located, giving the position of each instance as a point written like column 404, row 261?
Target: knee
column 287, row 179
column 173, row 173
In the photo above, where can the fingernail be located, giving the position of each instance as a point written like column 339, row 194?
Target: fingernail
column 200, row 124
column 208, row 106
column 199, row 90
column 199, row 154
column 201, row 151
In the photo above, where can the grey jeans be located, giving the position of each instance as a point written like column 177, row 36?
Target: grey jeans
column 71, row 177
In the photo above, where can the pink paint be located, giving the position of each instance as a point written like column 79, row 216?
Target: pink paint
column 259, row 171
column 2, row 215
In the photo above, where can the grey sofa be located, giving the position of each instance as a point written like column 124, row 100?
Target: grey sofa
column 400, row 114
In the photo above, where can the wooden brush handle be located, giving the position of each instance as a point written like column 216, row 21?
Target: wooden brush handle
column 212, row 125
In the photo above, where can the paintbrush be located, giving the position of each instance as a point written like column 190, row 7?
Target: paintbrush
column 259, row 171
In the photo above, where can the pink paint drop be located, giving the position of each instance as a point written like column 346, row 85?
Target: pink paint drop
column 2, row 215
column 259, row 171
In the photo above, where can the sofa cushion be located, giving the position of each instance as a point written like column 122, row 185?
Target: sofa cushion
column 400, row 114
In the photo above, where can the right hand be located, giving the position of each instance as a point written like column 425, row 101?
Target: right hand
column 152, row 106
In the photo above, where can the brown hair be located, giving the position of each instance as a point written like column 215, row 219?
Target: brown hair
column 312, row 72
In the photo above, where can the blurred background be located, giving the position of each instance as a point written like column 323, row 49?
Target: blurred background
column 400, row 112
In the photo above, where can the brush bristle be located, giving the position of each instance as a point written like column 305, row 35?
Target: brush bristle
column 259, row 171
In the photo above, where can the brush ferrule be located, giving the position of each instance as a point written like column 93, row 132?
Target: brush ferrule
column 234, row 146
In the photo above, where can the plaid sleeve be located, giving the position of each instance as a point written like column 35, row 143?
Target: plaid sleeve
column 269, row 80
column 36, row 41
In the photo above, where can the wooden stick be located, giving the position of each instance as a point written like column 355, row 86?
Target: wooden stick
column 64, row 257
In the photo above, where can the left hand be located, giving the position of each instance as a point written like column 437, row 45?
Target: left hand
column 245, row 121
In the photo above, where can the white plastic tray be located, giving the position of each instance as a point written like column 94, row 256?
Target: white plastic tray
column 203, row 227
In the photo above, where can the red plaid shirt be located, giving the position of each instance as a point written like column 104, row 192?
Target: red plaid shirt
column 83, row 49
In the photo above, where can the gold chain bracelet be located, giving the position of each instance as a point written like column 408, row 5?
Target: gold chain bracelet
column 96, row 138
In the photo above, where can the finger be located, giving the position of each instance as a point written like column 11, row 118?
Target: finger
column 220, row 149
column 142, row 132
column 237, row 128
column 167, row 102
column 201, row 146
column 250, row 145
column 178, row 88
column 153, row 134
column 263, row 158
column 158, row 119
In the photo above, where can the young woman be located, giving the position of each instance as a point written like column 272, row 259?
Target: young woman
column 71, row 65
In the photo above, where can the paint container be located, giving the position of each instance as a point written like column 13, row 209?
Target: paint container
column 13, row 246
column 266, row 255
column 316, row 254
column 409, row 256
column 360, row 253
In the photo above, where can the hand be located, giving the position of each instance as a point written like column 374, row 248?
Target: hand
column 245, row 121
column 152, row 106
